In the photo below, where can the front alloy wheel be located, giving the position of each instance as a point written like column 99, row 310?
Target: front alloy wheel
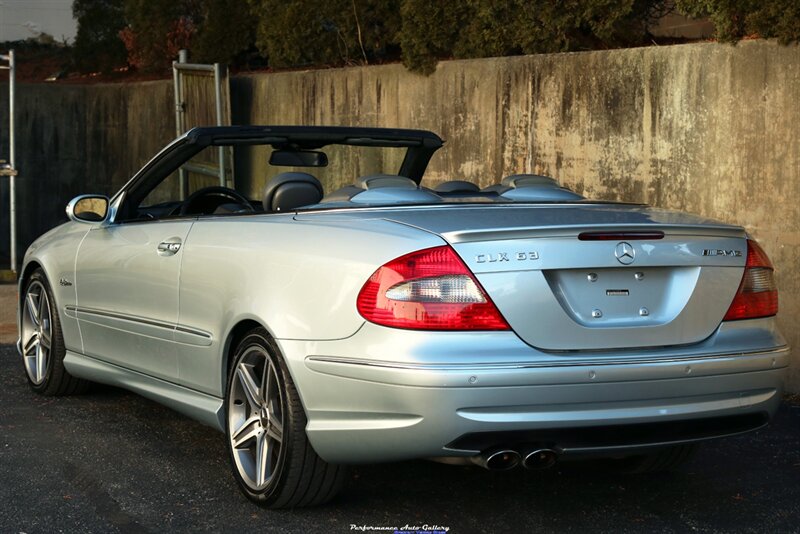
column 42, row 341
column 36, row 333
column 272, row 460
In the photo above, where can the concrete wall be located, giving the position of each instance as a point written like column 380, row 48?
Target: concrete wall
column 708, row 128
column 74, row 139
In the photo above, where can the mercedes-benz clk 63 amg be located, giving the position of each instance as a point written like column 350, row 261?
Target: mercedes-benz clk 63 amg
column 389, row 318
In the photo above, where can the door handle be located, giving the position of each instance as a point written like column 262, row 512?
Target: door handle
column 168, row 248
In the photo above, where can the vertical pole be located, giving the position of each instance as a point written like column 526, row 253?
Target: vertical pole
column 12, row 160
column 218, row 99
column 183, row 57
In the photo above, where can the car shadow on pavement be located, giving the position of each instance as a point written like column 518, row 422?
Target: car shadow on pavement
column 113, row 461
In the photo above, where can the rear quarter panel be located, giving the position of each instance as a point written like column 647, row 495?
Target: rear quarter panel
column 300, row 279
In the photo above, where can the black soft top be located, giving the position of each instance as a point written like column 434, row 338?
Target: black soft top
column 420, row 145
column 312, row 137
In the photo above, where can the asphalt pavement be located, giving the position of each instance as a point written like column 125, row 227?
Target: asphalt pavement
column 111, row 461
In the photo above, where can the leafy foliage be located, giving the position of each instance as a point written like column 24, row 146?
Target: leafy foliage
column 481, row 28
column 324, row 32
column 352, row 32
column 778, row 18
column 227, row 31
column 430, row 30
column 728, row 16
column 157, row 29
column 97, row 45
column 735, row 19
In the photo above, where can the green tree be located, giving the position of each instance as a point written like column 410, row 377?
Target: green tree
column 777, row 18
column 227, row 30
column 97, row 46
column 157, row 29
column 728, row 16
column 433, row 29
column 351, row 32
column 734, row 19
column 325, row 32
column 430, row 31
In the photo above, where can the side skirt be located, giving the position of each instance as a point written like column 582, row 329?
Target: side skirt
column 204, row 408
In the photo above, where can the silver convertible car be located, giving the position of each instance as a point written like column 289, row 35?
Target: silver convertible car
column 383, row 320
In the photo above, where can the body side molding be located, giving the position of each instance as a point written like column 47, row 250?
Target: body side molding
column 141, row 326
column 199, row 406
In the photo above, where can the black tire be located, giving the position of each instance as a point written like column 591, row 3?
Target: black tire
column 658, row 461
column 299, row 476
column 57, row 381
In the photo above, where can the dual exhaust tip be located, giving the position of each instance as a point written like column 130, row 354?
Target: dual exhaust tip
column 505, row 459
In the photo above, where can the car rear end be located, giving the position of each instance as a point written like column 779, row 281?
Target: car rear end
column 550, row 331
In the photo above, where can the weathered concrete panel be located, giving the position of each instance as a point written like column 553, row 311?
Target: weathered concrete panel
column 78, row 139
column 713, row 129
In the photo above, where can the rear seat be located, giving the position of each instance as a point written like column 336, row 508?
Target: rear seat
column 382, row 189
column 531, row 188
column 390, row 188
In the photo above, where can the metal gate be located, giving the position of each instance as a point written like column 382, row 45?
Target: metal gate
column 196, row 85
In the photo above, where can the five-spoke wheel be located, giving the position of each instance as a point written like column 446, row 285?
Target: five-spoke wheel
column 41, row 341
column 36, row 333
column 255, row 421
column 271, row 457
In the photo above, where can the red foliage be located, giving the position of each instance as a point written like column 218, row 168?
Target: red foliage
column 179, row 37
column 158, row 55
column 128, row 38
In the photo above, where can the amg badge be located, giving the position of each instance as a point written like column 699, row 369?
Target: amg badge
column 720, row 252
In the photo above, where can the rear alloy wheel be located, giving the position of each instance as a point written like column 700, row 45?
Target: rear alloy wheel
column 42, row 342
column 270, row 454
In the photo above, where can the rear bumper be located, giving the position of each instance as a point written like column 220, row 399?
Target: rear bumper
column 387, row 395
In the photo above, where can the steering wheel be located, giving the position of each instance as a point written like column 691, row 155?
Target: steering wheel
column 204, row 201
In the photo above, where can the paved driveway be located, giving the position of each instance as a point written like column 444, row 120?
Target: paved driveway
column 112, row 461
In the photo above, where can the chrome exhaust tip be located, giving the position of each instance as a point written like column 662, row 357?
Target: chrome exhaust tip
column 498, row 459
column 539, row 459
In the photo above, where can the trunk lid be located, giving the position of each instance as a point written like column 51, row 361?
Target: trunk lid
column 561, row 293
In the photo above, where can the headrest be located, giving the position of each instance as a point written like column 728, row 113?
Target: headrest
column 289, row 190
column 376, row 181
column 527, row 180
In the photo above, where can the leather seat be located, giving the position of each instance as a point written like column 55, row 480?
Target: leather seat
column 290, row 190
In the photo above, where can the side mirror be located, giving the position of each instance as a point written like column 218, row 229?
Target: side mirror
column 88, row 208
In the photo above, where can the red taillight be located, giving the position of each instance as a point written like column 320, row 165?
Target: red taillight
column 757, row 295
column 430, row 289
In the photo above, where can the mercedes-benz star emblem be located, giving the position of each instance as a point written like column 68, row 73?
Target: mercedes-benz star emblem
column 625, row 253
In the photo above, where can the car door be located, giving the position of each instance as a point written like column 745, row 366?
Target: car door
column 127, row 293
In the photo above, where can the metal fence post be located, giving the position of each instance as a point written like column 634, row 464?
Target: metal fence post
column 12, row 160
column 10, row 169
column 218, row 99
column 183, row 57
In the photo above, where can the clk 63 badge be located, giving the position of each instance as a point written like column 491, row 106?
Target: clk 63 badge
column 506, row 256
